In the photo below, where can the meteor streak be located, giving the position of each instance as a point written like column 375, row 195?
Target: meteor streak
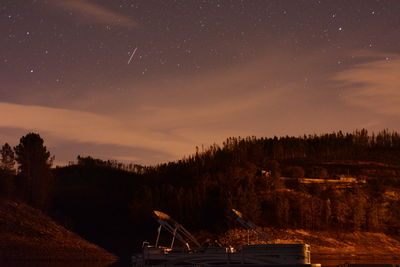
column 130, row 59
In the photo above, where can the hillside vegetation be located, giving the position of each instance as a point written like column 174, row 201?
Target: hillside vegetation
column 110, row 203
column 199, row 191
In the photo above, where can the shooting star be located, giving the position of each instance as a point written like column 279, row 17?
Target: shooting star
column 130, row 59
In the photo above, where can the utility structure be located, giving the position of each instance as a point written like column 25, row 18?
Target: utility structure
column 177, row 230
column 250, row 226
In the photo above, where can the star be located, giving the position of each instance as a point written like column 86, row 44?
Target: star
column 234, row 45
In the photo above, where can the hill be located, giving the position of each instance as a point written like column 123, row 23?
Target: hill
column 358, row 189
column 332, row 182
column 27, row 234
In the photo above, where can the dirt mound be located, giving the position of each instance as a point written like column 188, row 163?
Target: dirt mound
column 27, row 234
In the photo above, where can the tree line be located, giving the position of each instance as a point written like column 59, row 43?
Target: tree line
column 110, row 203
column 200, row 190
column 32, row 180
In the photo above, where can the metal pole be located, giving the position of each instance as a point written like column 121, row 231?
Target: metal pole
column 158, row 235
column 173, row 238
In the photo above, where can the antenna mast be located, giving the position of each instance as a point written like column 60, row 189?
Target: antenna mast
column 176, row 229
column 250, row 226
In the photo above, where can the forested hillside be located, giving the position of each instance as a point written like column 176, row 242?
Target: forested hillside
column 110, row 203
column 200, row 190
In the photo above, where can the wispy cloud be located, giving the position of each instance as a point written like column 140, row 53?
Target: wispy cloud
column 167, row 118
column 81, row 126
column 89, row 12
column 374, row 85
column 188, row 112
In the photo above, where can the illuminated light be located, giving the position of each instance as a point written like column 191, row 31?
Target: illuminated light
column 238, row 213
column 162, row 215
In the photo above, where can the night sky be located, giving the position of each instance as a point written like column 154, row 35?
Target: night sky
column 148, row 81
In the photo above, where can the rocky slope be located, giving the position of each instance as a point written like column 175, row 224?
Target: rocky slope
column 27, row 234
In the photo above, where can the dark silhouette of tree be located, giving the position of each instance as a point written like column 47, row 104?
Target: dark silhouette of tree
column 326, row 214
column 296, row 172
column 7, row 158
column 34, row 170
column 359, row 209
column 7, row 170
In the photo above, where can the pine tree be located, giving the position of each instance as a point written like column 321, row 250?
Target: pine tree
column 7, row 170
column 7, row 158
column 34, row 169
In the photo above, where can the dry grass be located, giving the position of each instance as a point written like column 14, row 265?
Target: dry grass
column 28, row 234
